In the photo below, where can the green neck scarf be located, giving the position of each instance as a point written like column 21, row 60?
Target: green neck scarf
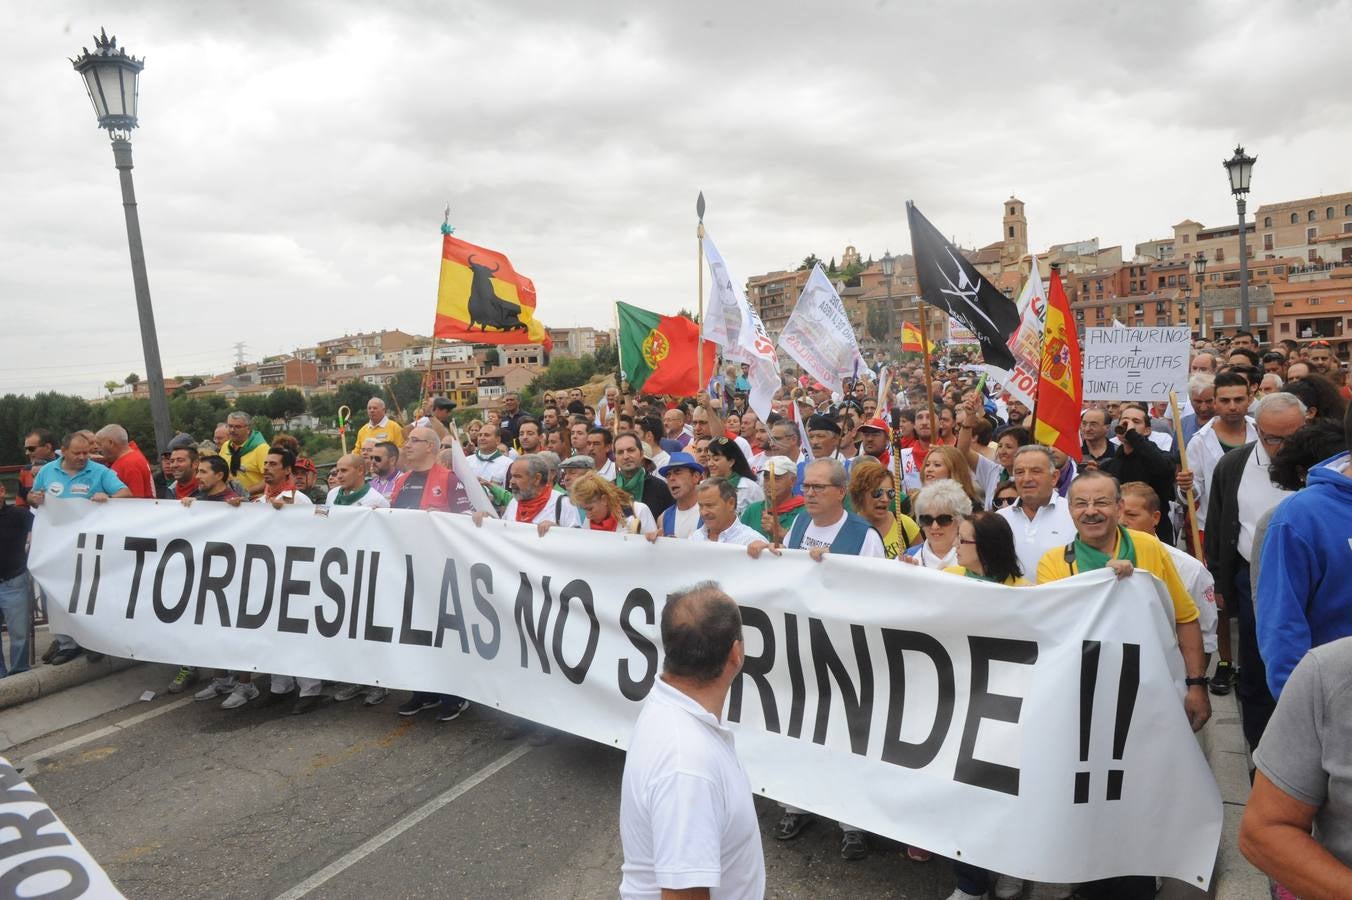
column 1088, row 558
column 350, row 498
column 734, row 479
column 492, row 456
column 631, row 484
column 970, row 574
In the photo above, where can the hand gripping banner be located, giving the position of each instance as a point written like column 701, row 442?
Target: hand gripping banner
column 1037, row 732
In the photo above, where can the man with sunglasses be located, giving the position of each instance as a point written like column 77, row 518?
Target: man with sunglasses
column 40, row 448
column 1240, row 493
column 384, row 459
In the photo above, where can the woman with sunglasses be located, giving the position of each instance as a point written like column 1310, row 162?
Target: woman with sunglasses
column 1006, row 494
column 727, row 461
column 940, row 506
column 986, row 550
column 872, row 494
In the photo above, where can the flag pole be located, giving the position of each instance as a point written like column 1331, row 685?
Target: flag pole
column 446, row 229
column 699, row 267
column 929, row 384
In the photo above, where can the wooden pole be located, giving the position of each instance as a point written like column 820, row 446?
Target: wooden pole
column 343, row 413
column 770, row 505
column 929, row 386
column 1190, row 512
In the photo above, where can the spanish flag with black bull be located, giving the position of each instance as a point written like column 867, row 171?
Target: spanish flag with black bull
column 482, row 299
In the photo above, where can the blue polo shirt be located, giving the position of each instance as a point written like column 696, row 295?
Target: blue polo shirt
column 94, row 478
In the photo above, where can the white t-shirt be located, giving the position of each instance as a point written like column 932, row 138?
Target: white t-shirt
column 687, row 520
column 687, row 818
column 1202, row 588
column 987, row 477
column 1051, row 526
column 296, row 497
column 494, row 470
column 748, row 492
column 736, row 533
column 372, row 499
column 560, row 513
column 819, row 536
column 607, row 471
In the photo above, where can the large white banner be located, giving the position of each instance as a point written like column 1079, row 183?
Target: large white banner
column 1037, row 732
column 819, row 335
column 1122, row 363
column 39, row 857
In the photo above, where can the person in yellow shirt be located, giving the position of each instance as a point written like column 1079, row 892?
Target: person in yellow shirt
column 244, row 452
column 986, row 550
column 1095, row 501
column 381, row 426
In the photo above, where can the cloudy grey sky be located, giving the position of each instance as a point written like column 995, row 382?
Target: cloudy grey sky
column 294, row 158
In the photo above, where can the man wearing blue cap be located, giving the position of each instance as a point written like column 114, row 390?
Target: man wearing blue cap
column 683, row 476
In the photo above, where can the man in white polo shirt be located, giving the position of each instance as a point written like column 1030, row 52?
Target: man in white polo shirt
column 1040, row 519
column 718, row 512
column 687, row 820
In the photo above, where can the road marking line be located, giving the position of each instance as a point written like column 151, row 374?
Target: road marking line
column 360, row 852
column 98, row 734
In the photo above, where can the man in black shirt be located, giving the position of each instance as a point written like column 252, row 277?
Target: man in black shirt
column 16, row 589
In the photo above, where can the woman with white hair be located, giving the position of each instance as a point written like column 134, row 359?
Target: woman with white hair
column 939, row 507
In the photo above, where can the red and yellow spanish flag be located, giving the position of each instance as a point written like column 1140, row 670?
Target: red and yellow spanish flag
column 912, row 341
column 1059, row 388
column 482, row 299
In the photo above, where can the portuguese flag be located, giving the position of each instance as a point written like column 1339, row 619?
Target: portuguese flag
column 657, row 352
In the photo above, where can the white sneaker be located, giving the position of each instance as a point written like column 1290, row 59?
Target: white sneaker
column 1007, row 887
column 347, row 692
column 221, row 684
column 375, row 695
column 241, row 695
column 960, row 894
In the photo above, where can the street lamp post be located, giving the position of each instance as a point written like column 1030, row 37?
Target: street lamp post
column 1240, row 167
column 1199, row 266
column 889, row 267
column 111, row 77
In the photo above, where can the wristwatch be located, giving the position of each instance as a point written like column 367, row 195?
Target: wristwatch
column 1199, row 681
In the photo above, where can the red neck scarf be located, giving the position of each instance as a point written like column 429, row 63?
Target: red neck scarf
column 792, row 503
column 527, row 510
column 609, row 523
column 182, row 490
column 270, row 492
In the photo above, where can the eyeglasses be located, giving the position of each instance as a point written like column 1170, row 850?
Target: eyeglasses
column 419, row 440
column 1098, row 503
column 943, row 520
column 811, row 488
column 1272, row 440
column 1320, row 344
column 1004, row 501
column 32, row 449
column 879, row 493
column 966, row 541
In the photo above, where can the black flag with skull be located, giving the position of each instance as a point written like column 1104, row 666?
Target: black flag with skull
column 951, row 283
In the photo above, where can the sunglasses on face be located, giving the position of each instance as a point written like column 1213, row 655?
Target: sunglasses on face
column 943, row 521
column 879, row 493
column 1003, row 501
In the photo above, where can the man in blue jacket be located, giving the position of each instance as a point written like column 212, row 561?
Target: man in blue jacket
column 1304, row 596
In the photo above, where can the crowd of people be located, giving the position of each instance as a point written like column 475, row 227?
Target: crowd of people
column 1238, row 505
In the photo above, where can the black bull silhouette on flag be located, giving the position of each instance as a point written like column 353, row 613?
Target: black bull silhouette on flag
column 486, row 308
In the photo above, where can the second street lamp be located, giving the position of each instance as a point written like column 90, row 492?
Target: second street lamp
column 1240, row 167
column 111, row 77
column 1199, row 266
column 889, row 267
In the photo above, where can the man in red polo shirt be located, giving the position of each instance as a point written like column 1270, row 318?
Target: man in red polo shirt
column 126, row 460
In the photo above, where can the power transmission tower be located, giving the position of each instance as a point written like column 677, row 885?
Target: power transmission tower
column 239, row 353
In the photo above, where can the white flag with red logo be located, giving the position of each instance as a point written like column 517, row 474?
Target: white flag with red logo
column 730, row 322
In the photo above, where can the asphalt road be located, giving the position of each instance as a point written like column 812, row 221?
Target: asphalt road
column 185, row 800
